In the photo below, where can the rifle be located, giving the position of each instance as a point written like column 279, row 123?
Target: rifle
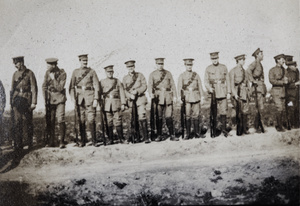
column 135, row 131
column 258, row 110
column 239, row 121
column 77, row 114
column 182, row 113
column 213, row 115
column 286, row 108
column 104, row 125
column 47, row 118
column 152, row 120
column 12, row 118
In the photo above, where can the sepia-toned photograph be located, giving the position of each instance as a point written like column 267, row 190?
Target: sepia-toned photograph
column 149, row 102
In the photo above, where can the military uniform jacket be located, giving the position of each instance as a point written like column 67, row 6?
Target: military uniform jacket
column 293, row 77
column 112, row 92
column 53, row 89
column 190, row 84
column 276, row 75
column 217, row 77
column 256, row 73
column 137, row 82
column 27, row 88
column 87, row 88
column 239, row 78
column 2, row 97
column 161, row 84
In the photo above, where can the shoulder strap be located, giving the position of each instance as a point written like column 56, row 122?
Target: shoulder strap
column 16, row 83
column 160, row 80
column 190, row 81
column 135, row 76
column 113, row 87
column 82, row 76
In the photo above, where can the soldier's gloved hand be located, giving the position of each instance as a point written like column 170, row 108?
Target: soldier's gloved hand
column 228, row 95
column 211, row 90
column 134, row 92
column 132, row 96
column 152, row 96
column 51, row 75
column 236, row 97
column 32, row 107
column 95, row 103
column 180, row 101
column 122, row 107
column 297, row 83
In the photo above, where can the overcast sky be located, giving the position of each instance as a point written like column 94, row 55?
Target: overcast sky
column 114, row 31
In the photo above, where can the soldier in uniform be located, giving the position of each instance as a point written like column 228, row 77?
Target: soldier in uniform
column 255, row 73
column 2, row 107
column 113, row 101
column 292, row 73
column 217, row 79
column 189, row 85
column 239, row 83
column 135, row 86
column 162, row 87
column 278, row 80
column 84, row 91
column 23, row 101
column 55, row 93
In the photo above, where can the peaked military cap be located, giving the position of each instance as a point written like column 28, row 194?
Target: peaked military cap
column 130, row 63
column 242, row 56
column 51, row 60
column 188, row 61
column 159, row 60
column 256, row 52
column 291, row 63
column 83, row 57
column 109, row 68
column 18, row 59
column 214, row 55
column 279, row 56
column 288, row 58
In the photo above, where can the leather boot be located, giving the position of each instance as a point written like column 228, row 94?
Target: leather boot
column 144, row 128
column 196, row 128
column 52, row 135
column 62, row 133
column 188, row 129
column 223, row 121
column 170, row 126
column 110, row 135
column 93, row 133
column 159, row 130
column 82, row 134
column 279, row 126
column 245, row 124
column 120, row 133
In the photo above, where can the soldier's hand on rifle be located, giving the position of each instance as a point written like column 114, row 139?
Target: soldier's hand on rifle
column 95, row 103
column 236, row 97
column 132, row 96
column 285, row 80
column 180, row 100
column 174, row 100
column 211, row 90
column 123, row 107
column 254, row 83
column 228, row 95
column 32, row 107
column 134, row 92
column 297, row 83
column 152, row 96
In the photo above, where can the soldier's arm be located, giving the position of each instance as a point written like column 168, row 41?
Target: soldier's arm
column 127, row 94
column 72, row 86
column 45, row 85
column 95, row 85
column 122, row 93
column 227, row 80
column 142, row 89
column 232, row 87
column 172, row 85
column 34, row 88
column 249, row 71
column 150, row 85
column 12, row 88
column 59, row 84
column 206, row 81
column 179, row 85
column 273, row 80
column 200, row 86
column 2, row 96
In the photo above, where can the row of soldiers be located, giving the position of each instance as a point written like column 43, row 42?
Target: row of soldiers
column 87, row 92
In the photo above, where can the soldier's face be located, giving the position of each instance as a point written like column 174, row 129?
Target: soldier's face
column 281, row 61
column 242, row 62
column 160, row 66
column 50, row 66
column 260, row 56
column 18, row 65
column 215, row 61
column 84, row 62
column 188, row 67
column 131, row 69
column 109, row 74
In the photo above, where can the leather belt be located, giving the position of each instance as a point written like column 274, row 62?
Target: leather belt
column 216, row 81
column 85, row 88
column 194, row 89
column 23, row 90
column 237, row 84
column 278, row 86
column 163, row 89
column 116, row 96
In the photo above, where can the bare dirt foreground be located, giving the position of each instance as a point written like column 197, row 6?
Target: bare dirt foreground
column 252, row 169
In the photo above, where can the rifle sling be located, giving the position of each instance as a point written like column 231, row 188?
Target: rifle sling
column 134, row 78
column 155, row 84
column 189, row 82
column 113, row 87
column 82, row 76
column 20, row 79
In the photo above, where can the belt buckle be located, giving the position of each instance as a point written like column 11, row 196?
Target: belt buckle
column 110, row 96
column 21, row 90
column 83, row 87
column 219, row 82
column 164, row 89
